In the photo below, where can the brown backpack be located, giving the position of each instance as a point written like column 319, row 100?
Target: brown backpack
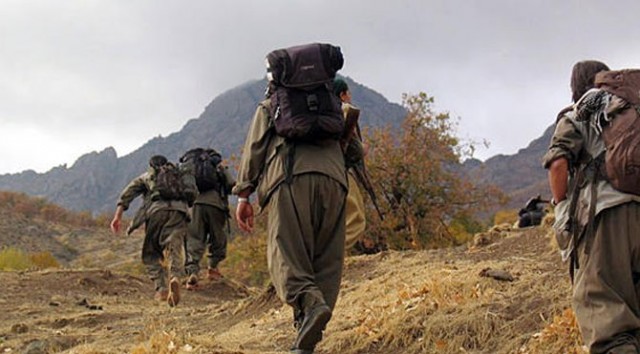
column 622, row 136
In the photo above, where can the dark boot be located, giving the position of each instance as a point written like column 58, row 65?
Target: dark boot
column 310, row 331
column 624, row 349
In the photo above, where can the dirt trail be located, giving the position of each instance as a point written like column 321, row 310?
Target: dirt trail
column 85, row 311
column 395, row 302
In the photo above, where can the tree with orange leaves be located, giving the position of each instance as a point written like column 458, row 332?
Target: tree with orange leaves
column 417, row 175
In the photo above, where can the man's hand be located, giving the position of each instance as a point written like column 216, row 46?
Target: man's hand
column 117, row 220
column 244, row 216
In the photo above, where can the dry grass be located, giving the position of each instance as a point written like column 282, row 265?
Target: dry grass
column 431, row 308
column 44, row 260
column 560, row 336
column 393, row 302
column 161, row 342
column 509, row 216
column 14, row 259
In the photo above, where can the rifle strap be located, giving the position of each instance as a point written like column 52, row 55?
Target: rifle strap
column 289, row 161
column 593, row 168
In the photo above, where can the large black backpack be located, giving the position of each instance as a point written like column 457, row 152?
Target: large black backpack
column 203, row 163
column 303, row 106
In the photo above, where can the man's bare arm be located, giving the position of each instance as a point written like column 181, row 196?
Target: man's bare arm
column 558, row 178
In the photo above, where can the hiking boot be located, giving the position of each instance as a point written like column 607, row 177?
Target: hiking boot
column 214, row 274
column 173, row 298
column 624, row 349
column 161, row 295
column 310, row 332
column 192, row 282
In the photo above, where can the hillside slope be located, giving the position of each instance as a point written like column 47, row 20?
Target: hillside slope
column 520, row 175
column 32, row 236
column 393, row 302
column 95, row 180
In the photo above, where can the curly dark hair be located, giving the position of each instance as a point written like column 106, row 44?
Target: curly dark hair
column 582, row 76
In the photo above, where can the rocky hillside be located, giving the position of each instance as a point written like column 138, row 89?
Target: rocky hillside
column 507, row 292
column 520, row 175
column 94, row 181
column 33, row 236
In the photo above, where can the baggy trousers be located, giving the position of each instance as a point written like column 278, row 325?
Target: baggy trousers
column 354, row 213
column 606, row 297
column 164, row 234
column 306, row 240
column 206, row 229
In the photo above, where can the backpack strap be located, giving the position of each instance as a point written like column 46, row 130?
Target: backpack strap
column 289, row 160
column 563, row 112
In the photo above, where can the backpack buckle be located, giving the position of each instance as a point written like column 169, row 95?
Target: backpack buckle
column 277, row 114
column 312, row 102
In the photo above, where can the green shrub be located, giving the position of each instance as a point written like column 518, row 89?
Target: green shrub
column 14, row 259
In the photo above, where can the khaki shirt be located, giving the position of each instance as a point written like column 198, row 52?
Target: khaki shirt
column 141, row 186
column 577, row 141
column 214, row 197
column 262, row 167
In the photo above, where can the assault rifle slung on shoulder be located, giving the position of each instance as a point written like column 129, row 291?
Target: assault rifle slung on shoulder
column 360, row 172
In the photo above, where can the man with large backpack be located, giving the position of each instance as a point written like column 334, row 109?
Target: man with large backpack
column 593, row 162
column 210, row 213
column 167, row 191
column 292, row 158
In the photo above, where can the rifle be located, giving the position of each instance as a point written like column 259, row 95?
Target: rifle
column 363, row 177
column 351, row 128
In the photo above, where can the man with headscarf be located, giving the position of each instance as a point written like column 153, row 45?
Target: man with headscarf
column 597, row 227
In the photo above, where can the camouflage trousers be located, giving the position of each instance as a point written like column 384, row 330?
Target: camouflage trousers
column 165, row 232
column 208, row 228
column 606, row 293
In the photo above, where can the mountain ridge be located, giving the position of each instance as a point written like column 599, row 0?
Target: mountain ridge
column 94, row 180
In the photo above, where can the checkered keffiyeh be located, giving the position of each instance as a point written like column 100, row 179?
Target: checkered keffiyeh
column 593, row 106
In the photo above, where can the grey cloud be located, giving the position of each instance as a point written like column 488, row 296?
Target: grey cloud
column 100, row 67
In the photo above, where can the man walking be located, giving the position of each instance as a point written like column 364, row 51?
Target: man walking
column 597, row 225
column 302, row 185
column 167, row 193
column 210, row 214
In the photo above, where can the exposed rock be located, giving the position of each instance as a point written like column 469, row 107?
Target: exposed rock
column 37, row 347
column 519, row 175
column 95, row 180
column 19, row 328
column 497, row 274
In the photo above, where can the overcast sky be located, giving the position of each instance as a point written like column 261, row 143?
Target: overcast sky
column 79, row 76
